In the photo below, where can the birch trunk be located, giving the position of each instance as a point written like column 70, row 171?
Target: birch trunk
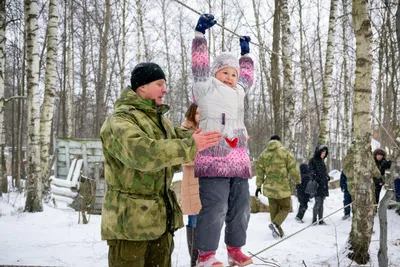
column 186, row 93
column 362, row 224
column 287, row 45
column 84, row 78
column 164, row 11
column 3, row 171
column 328, row 82
column 70, row 74
column 305, row 99
column 123, row 48
column 141, row 28
column 276, row 94
column 49, row 97
column 398, row 27
column 262, row 60
column 346, row 91
column 101, row 92
column 34, row 183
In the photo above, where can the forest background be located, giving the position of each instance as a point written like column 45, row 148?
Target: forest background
column 326, row 72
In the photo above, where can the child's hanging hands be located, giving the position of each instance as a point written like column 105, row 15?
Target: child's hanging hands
column 245, row 45
column 205, row 22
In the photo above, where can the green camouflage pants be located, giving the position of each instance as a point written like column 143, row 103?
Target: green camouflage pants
column 124, row 253
column 279, row 210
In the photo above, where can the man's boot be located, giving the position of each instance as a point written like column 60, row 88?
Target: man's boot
column 193, row 252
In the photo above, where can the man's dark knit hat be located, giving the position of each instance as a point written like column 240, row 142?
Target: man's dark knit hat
column 275, row 137
column 145, row 73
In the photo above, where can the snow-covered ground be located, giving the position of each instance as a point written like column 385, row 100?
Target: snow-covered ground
column 54, row 237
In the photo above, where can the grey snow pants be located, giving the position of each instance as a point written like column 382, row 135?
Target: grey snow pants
column 222, row 200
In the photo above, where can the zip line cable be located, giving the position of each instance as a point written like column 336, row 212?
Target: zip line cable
column 299, row 231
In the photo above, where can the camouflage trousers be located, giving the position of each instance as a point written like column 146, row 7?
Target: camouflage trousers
column 124, row 253
column 279, row 210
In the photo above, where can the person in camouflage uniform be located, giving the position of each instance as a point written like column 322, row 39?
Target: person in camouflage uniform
column 274, row 166
column 142, row 150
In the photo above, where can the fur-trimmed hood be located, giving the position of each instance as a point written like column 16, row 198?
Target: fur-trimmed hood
column 376, row 151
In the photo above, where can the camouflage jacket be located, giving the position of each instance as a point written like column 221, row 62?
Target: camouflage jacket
column 141, row 150
column 348, row 169
column 274, row 166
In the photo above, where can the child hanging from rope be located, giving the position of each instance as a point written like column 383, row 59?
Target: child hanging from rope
column 223, row 170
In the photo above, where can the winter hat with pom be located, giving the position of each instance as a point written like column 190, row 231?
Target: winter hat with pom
column 225, row 60
column 145, row 73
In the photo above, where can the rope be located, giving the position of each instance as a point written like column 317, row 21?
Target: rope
column 299, row 231
column 386, row 131
column 234, row 33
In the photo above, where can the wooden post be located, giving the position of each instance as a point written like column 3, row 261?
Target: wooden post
column 85, row 159
column 55, row 145
column 67, row 158
column 382, row 253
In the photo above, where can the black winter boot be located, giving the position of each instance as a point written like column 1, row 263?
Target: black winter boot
column 193, row 252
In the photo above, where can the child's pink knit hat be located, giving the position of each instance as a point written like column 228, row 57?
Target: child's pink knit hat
column 224, row 60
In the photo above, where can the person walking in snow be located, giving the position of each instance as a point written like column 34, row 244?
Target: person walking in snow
column 274, row 166
column 320, row 174
column 190, row 187
column 383, row 164
column 302, row 196
column 142, row 150
column 223, row 170
column 346, row 195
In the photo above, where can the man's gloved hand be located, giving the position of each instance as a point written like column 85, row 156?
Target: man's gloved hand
column 205, row 22
column 258, row 191
column 245, row 45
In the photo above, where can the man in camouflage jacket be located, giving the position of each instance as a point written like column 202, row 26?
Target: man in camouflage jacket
column 142, row 150
column 274, row 166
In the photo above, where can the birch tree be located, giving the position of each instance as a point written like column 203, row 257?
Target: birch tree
column 262, row 59
column 328, row 82
column 33, row 186
column 3, row 171
column 362, row 224
column 123, row 47
column 101, row 91
column 70, row 74
column 305, row 99
column 49, row 96
column 287, row 44
column 346, row 79
column 276, row 94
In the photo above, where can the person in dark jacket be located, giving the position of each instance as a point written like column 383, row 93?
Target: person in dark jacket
column 346, row 195
column 397, row 188
column 383, row 164
column 320, row 174
column 302, row 196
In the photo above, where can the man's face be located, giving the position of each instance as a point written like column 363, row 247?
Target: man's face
column 154, row 90
column 323, row 153
column 379, row 157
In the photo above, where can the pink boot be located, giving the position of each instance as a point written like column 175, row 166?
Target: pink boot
column 236, row 257
column 207, row 259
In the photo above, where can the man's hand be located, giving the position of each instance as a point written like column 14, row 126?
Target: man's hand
column 258, row 191
column 206, row 140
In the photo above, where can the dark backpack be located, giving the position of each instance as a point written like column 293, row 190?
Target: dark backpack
column 312, row 188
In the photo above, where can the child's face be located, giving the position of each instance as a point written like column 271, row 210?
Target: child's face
column 227, row 76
